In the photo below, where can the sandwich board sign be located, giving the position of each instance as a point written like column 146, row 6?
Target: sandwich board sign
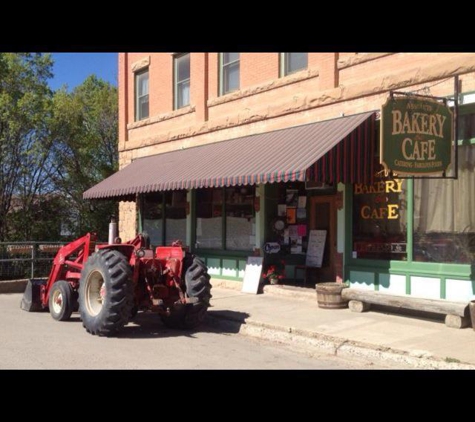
column 252, row 274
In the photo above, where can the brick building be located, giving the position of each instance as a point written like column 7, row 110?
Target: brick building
column 232, row 151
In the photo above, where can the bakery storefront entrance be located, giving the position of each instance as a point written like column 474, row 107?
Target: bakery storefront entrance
column 323, row 218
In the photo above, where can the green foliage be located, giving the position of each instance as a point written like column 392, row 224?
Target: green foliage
column 53, row 147
column 84, row 129
column 25, row 102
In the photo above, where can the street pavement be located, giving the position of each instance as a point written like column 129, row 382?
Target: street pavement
column 289, row 317
column 36, row 341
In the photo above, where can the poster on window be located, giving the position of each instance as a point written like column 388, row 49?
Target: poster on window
column 292, row 198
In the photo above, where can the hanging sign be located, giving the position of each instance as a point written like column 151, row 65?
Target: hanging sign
column 416, row 136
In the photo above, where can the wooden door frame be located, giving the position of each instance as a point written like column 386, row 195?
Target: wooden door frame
column 331, row 200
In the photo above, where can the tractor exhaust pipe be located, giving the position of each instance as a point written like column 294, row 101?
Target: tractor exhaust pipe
column 112, row 230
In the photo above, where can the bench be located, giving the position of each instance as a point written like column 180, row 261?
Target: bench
column 457, row 314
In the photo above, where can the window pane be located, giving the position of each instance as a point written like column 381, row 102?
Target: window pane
column 296, row 61
column 141, row 101
column 379, row 220
column 152, row 218
column 183, row 63
column 444, row 215
column 175, row 213
column 467, row 127
column 143, row 107
column 183, row 94
column 209, row 220
column 231, row 77
column 240, row 221
column 230, row 57
column 143, row 83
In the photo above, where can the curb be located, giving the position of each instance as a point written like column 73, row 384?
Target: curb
column 317, row 343
column 13, row 286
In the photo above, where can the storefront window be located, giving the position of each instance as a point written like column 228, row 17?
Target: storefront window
column 444, row 214
column 379, row 220
column 153, row 217
column 175, row 216
column 236, row 204
column 173, row 227
column 209, row 220
column 240, row 224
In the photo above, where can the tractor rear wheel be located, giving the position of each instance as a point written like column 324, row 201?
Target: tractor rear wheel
column 190, row 315
column 106, row 293
column 62, row 300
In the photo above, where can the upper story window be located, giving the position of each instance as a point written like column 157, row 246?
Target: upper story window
column 229, row 72
column 293, row 62
column 141, row 95
column 182, row 80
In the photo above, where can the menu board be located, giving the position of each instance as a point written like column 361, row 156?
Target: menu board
column 315, row 248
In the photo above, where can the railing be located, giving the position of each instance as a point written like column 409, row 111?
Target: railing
column 19, row 260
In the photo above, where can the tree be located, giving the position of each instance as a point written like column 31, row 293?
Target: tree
column 25, row 156
column 85, row 132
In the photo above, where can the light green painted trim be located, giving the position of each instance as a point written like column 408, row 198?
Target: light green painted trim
column 408, row 284
column 376, row 281
column 348, row 209
column 443, row 288
column 218, row 262
column 340, row 223
column 260, row 218
column 431, row 269
column 189, row 224
column 409, row 218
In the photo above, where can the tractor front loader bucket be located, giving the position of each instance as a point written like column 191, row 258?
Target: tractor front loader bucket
column 31, row 301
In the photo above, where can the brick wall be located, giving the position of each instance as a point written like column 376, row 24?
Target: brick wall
column 333, row 84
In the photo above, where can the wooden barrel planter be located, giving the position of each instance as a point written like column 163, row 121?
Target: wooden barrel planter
column 329, row 296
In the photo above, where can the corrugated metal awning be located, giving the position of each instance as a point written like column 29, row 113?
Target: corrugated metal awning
column 277, row 156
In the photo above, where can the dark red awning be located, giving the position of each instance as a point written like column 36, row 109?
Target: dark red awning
column 278, row 156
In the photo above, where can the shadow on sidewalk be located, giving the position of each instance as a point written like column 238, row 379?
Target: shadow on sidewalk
column 149, row 325
column 408, row 313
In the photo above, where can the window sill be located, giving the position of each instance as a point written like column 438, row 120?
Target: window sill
column 268, row 86
column 162, row 117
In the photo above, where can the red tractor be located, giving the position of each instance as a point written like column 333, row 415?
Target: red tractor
column 110, row 283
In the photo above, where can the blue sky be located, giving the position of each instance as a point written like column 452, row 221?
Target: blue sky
column 72, row 68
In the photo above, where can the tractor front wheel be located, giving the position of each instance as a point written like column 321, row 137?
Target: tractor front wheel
column 106, row 293
column 62, row 300
column 198, row 287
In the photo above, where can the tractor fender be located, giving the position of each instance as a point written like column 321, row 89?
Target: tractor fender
column 124, row 249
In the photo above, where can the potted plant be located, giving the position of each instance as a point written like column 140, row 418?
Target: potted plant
column 274, row 273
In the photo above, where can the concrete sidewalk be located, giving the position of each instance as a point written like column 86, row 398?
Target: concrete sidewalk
column 292, row 316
